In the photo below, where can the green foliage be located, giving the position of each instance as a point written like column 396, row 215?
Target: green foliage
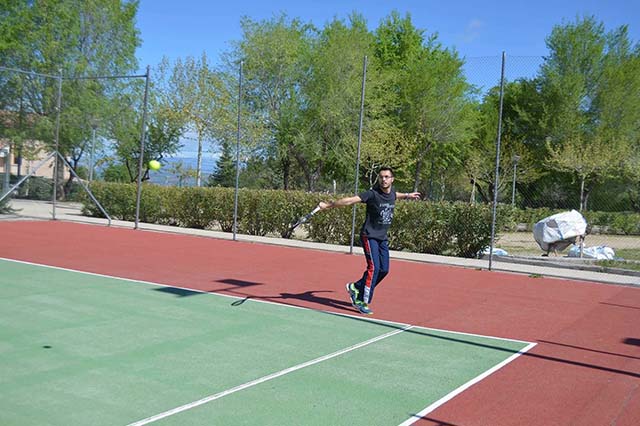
column 73, row 39
column 614, row 266
column 116, row 173
column 275, row 55
column 188, row 93
column 154, row 205
column 119, row 200
column 421, row 228
column 333, row 226
column 457, row 229
column 326, row 143
column 444, row 228
column 470, row 227
column 4, row 206
column 193, row 208
column 225, row 173
column 573, row 125
column 182, row 173
column 588, row 119
column 35, row 188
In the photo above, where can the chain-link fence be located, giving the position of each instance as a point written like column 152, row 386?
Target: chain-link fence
column 59, row 133
column 28, row 135
column 532, row 178
column 539, row 176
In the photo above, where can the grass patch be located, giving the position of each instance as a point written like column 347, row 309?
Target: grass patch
column 618, row 264
column 628, row 254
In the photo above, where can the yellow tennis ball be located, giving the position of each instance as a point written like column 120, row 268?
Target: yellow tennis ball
column 154, row 165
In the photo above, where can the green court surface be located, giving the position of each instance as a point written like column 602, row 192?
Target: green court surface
column 80, row 349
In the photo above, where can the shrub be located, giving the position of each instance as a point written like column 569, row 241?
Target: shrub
column 458, row 229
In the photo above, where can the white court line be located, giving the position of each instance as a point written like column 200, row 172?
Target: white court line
column 264, row 379
column 409, row 421
column 464, row 387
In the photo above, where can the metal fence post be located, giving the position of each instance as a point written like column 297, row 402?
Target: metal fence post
column 143, row 134
column 353, row 215
column 495, row 184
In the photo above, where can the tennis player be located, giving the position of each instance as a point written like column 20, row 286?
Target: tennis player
column 381, row 201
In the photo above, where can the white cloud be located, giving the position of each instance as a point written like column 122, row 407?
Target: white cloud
column 473, row 30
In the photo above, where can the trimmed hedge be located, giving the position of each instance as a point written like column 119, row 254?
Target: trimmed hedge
column 453, row 229
column 41, row 188
column 457, row 229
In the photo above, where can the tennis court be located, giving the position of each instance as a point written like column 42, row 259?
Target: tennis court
column 112, row 326
column 88, row 349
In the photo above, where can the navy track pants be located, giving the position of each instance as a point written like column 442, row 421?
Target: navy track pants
column 376, row 253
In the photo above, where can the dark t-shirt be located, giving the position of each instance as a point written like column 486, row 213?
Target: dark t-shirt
column 379, row 212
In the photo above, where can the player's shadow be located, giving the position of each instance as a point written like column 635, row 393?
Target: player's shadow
column 184, row 292
column 177, row 291
column 238, row 283
column 233, row 285
column 631, row 341
column 307, row 296
column 312, row 297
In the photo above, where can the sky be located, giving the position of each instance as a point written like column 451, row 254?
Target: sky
column 474, row 28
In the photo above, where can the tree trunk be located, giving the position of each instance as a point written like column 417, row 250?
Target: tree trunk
column 472, row 198
column 431, row 173
column 199, row 162
column 416, row 179
column 286, row 171
column 585, row 198
column 582, row 199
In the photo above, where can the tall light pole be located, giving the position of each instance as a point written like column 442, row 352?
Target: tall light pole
column 515, row 160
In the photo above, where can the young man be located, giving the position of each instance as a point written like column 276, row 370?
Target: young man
column 380, row 200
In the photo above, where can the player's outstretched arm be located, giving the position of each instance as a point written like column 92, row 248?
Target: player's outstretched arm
column 408, row 195
column 346, row 201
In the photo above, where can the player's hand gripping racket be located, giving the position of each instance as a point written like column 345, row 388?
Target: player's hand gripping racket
column 303, row 219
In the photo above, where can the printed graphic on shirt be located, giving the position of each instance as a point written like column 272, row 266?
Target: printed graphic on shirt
column 386, row 213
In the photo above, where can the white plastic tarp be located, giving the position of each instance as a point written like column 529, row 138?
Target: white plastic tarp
column 563, row 226
column 596, row 252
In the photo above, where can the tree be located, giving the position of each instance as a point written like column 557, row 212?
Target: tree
column 273, row 53
column 225, row 173
column 181, row 172
column 164, row 128
column 520, row 124
column 326, row 143
column 588, row 160
column 75, row 39
column 585, row 83
column 431, row 92
column 190, row 87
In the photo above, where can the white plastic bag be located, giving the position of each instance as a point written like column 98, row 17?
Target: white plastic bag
column 496, row 251
column 565, row 226
column 596, row 252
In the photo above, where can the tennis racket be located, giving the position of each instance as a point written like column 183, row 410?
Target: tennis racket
column 303, row 219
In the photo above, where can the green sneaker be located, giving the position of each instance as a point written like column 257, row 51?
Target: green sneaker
column 363, row 308
column 353, row 294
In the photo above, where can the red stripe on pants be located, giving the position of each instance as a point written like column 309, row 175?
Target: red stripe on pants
column 371, row 268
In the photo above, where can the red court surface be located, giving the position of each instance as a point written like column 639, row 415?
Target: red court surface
column 585, row 369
